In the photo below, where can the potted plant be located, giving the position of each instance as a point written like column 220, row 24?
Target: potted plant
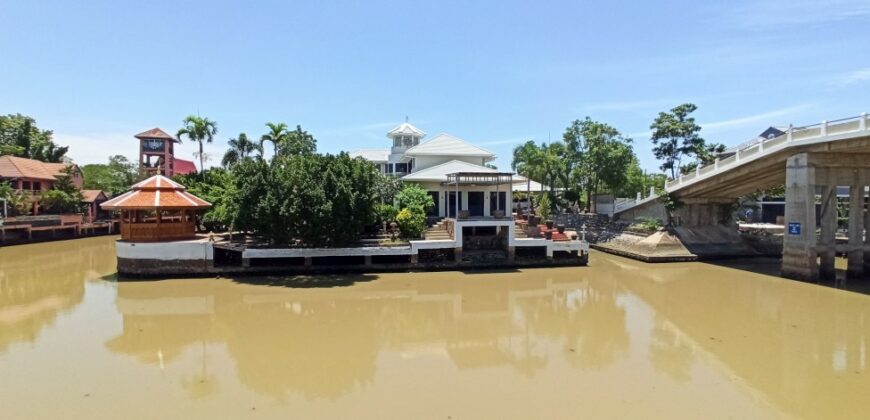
column 545, row 210
column 550, row 224
column 548, row 234
column 560, row 228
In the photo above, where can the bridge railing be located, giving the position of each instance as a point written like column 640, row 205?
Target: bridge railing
column 755, row 149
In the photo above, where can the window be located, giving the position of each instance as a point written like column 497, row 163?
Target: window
column 37, row 186
column 401, row 167
column 389, row 168
column 25, row 185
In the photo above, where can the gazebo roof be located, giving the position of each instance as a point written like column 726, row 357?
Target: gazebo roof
column 157, row 192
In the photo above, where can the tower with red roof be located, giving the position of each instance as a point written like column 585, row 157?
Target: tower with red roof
column 157, row 155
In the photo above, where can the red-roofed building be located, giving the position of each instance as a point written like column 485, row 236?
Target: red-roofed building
column 157, row 154
column 183, row 167
column 35, row 176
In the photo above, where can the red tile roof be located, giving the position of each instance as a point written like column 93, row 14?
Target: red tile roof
column 91, row 196
column 17, row 167
column 154, row 133
column 183, row 167
column 156, row 192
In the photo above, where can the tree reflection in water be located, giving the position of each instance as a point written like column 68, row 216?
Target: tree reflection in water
column 41, row 281
column 324, row 343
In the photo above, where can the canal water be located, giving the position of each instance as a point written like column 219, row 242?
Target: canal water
column 617, row 339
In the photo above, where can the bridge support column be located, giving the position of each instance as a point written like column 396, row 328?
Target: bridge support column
column 799, row 243
column 827, row 237
column 855, row 268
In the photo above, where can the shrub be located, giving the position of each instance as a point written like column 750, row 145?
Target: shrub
column 57, row 201
column 413, row 195
column 648, row 224
column 386, row 212
column 544, row 207
column 412, row 221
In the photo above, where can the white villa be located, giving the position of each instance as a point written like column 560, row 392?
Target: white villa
column 446, row 165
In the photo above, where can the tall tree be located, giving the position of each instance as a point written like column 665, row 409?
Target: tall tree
column 527, row 161
column 19, row 136
column 198, row 129
column 114, row 178
column 276, row 135
column 602, row 154
column 297, row 142
column 676, row 135
column 240, row 148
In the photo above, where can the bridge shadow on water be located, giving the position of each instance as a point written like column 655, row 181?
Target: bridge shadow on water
column 771, row 267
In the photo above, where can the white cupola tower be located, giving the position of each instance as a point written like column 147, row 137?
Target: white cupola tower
column 404, row 137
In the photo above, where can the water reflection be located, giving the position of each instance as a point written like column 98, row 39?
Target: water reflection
column 325, row 343
column 615, row 339
column 38, row 282
column 794, row 342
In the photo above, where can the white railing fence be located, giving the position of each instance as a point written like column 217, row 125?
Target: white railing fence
column 756, row 148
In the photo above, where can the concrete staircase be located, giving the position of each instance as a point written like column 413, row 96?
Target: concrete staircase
column 437, row 231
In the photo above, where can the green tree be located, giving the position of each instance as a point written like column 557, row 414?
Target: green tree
column 198, row 129
column 64, row 196
column 307, row 199
column 297, row 142
column 601, row 154
column 676, row 135
column 415, row 196
column 114, row 178
column 19, row 136
column 528, row 162
column 276, row 135
column 240, row 148
column 218, row 187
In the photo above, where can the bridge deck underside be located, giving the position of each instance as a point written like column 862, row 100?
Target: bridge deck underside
column 766, row 172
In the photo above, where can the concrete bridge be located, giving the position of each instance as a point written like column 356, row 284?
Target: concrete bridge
column 811, row 161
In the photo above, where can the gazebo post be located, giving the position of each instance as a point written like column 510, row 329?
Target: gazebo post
column 157, row 212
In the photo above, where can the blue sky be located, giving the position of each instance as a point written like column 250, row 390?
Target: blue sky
column 494, row 73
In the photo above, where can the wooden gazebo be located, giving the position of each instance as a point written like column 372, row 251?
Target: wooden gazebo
column 157, row 209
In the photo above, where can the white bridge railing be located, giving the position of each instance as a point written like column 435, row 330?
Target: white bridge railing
column 757, row 149
column 764, row 147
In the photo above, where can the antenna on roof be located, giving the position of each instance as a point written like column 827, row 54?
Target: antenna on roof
column 406, row 118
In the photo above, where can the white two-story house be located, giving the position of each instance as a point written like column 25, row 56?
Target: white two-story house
column 446, row 165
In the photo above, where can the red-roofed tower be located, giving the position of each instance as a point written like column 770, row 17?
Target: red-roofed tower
column 156, row 153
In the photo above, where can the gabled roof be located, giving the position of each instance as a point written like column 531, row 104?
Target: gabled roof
column 446, row 145
column 374, row 155
column 18, row 167
column 438, row 173
column 154, row 133
column 183, row 167
column 91, row 196
column 405, row 129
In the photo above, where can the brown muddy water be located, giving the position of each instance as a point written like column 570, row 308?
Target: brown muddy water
column 617, row 339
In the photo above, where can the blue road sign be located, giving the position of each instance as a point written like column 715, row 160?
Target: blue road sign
column 794, row 228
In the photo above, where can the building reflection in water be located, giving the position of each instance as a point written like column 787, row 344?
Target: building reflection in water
column 324, row 343
column 39, row 282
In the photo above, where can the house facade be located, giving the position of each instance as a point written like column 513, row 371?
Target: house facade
column 432, row 163
column 35, row 176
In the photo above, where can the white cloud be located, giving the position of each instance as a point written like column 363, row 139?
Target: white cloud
column 854, row 77
column 765, row 118
column 513, row 141
column 763, row 13
column 628, row 105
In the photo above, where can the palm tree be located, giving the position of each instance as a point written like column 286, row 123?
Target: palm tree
column 198, row 129
column 528, row 162
column 240, row 148
column 277, row 135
